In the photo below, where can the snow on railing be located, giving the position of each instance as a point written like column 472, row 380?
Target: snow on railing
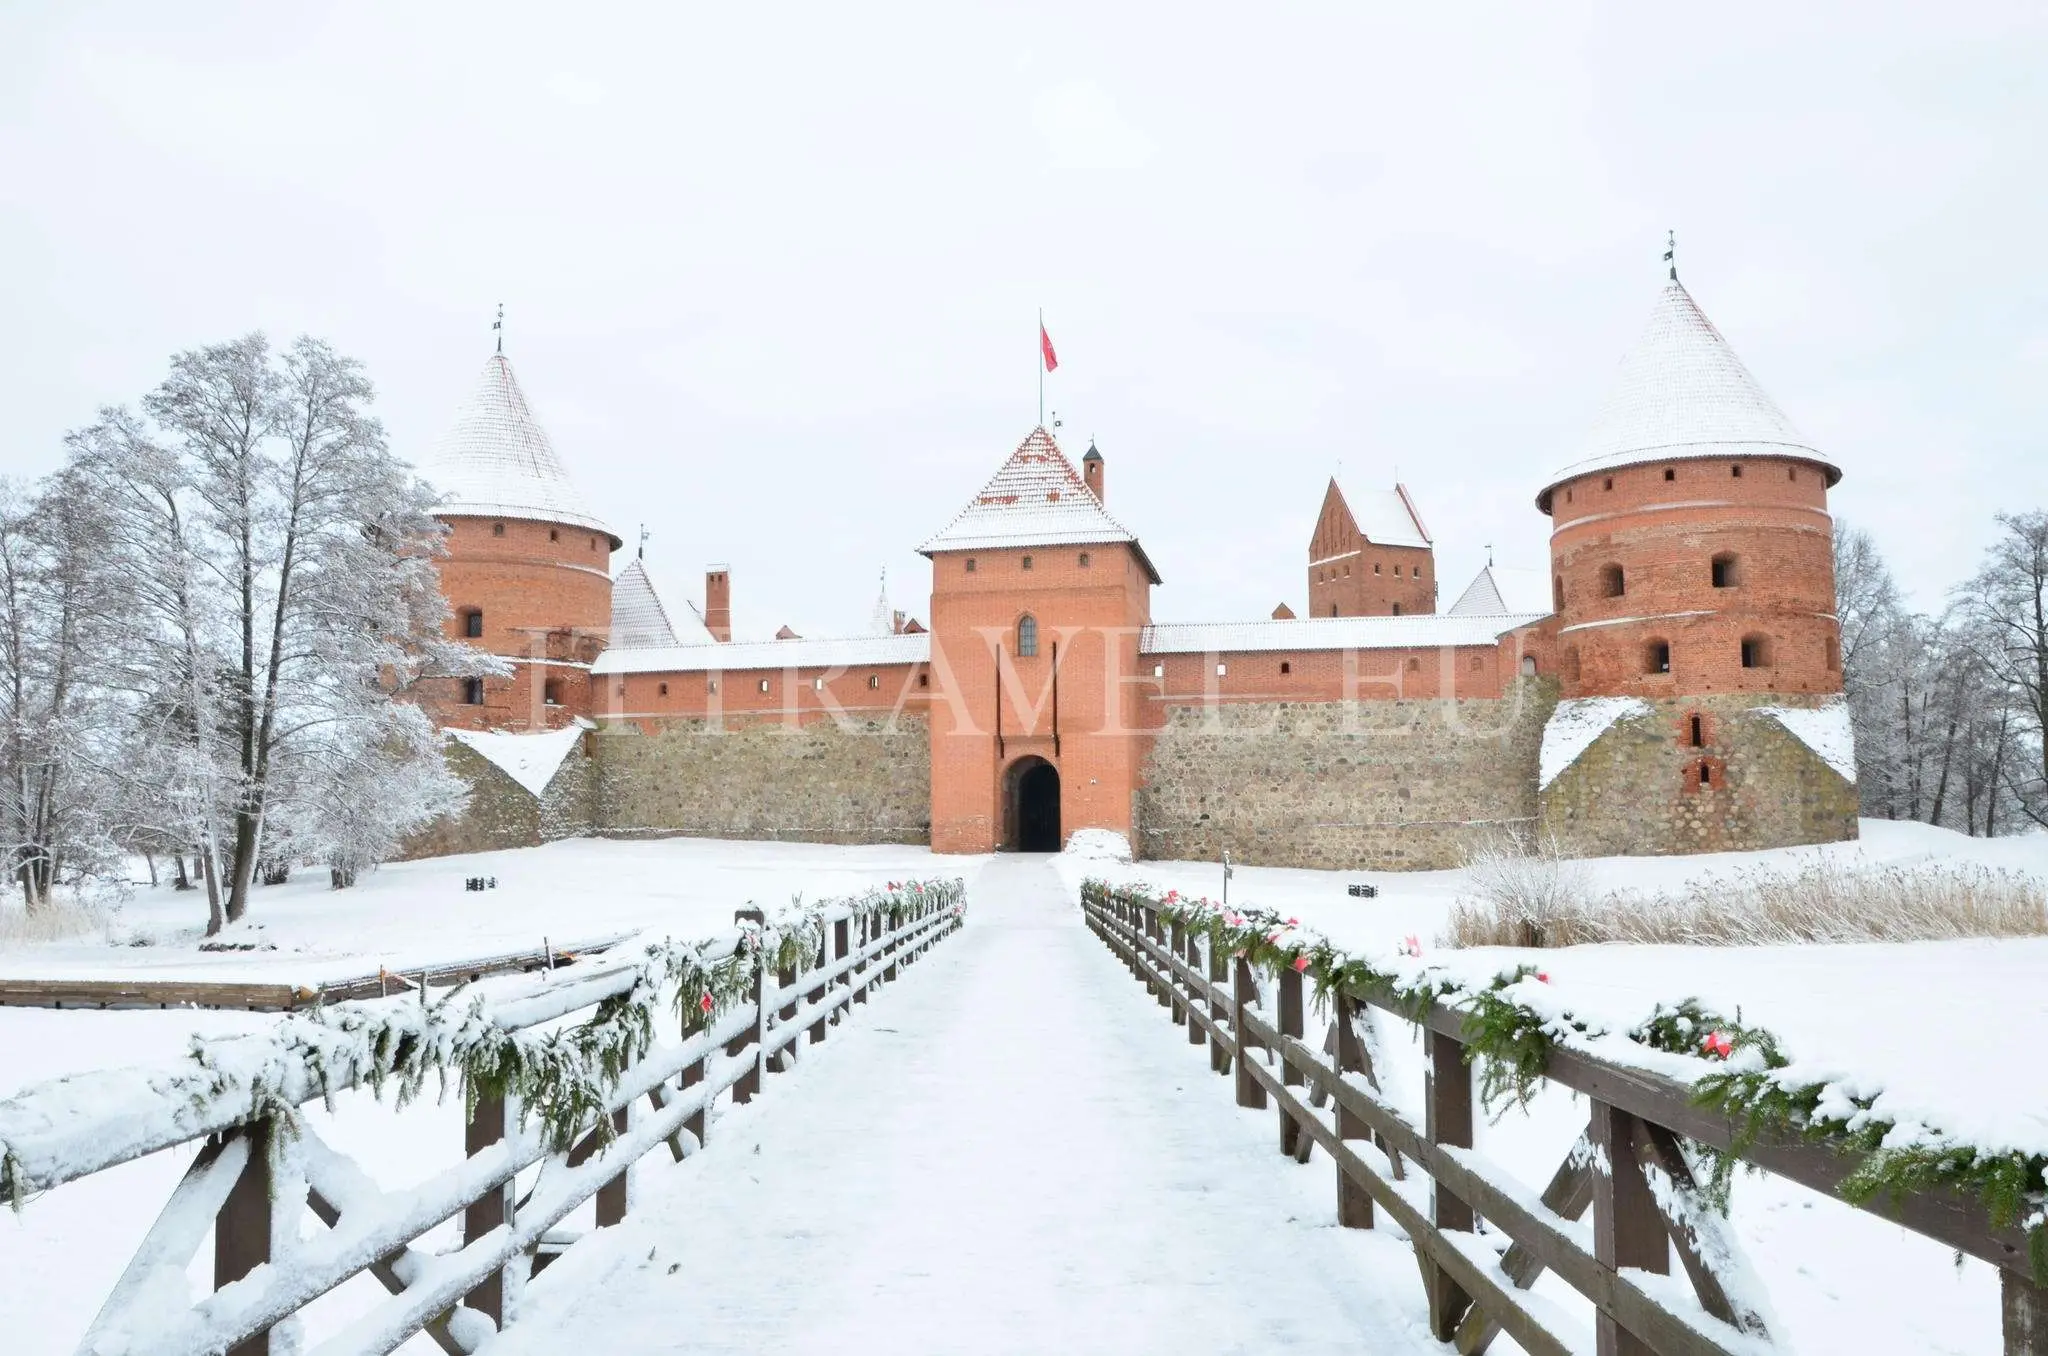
column 1686, row 1088
column 746, row 1001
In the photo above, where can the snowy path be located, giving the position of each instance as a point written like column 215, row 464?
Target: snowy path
column 1010, row 1150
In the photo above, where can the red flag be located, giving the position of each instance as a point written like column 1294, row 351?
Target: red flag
column 1052, row 360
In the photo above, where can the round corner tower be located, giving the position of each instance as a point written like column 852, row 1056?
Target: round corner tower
column 528, row 567
column 1692, row 573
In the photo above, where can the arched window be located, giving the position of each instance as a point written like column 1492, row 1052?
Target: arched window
column 1726, row 573
column 497, row 529
column 1697, row 730
column 1657, row 657
column 1612, row 583
column 1027, row 636
column 1528, row 666
column 1286, row 667
column 1756, row 652
column 1706, row 775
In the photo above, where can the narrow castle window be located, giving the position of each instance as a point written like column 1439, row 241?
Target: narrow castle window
column 1791, row 473
column 1670, row 473
column 1612, row 583
column 1528, row 666
column 1347, row 571
column 1567, row 496
column 1084, row 560
column 1027, row 562
column 1027, row 635
column 1557, row 592
column 1756, row 652
column 497, row 529
column 473, row 623
column 764, row 684
column 1397, row 609
column 970, row 564
column 1657, row 657
column 1699, row 732
column 1221, row 669
column 1333, row 609
column 874, row 681
column 1375, row 567
column 472, row 692
column 1286, row 667
column 664, row 689
column 1475, row 664
column 551, row 692
column 1736, row 471
column 817, row 684
column 593, row 543
column 1609, row 483
column 711, row 687
column 554, row 534
column 1706, row 775
column 1159, row 670
column 924, row 680
column 1725, row 575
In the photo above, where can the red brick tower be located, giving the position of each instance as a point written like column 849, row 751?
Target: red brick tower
column 528, row 571
column 1692, row 569
column 1370, row 556
column 1038, row 598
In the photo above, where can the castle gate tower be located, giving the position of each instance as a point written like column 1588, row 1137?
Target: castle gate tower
column 1692, row 575
column 1038, row 598
column 528, row 570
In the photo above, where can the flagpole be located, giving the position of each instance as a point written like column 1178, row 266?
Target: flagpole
column 1041, row 367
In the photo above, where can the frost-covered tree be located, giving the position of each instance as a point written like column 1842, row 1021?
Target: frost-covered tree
column 2007, row 601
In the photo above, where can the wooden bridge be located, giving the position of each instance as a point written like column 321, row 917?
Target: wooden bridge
column 999, row 1159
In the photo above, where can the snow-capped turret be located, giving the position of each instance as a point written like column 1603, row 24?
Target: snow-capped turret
column 496, row 461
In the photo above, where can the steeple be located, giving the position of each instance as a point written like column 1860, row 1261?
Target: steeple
column 1682, row 393
column 1035, row 498
column 496, row 461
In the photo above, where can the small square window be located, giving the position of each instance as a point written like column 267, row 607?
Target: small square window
column 817, row 684
column 1159, row 670
column 1084, row 560
column 1286, row 667
column 1414, row 665
column 1735, row 471
column 970, row 564
column 1375, row 567
column 472, row 692
column 1609, row 484
column 1670, row 474
column 1027, row 562
column 924, row 680
column 664, row 689
column 497, row 529
column 1220, row 670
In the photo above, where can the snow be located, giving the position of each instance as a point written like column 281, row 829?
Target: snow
column 1575, row 725
column 1680, row 393
column 1105, row 845
column 1824, row 729
column 1386, row 517
column 1328, row 633
column 771, row 655
column 1035, row 498
column 640, row 620
column 1015, row 1153
column 529, row 759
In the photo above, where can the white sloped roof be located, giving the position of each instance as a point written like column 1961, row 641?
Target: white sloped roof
column 1681, row 392
column 641, row 620
column 496, row 461
column 529, row 759
column 1386, row 517
column 1328, row 633
column 800, row 653
column 1502, row 589
column 1036, row 498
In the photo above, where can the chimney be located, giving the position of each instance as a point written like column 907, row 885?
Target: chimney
column 1283, row 613
column 718, row 603
column 1091, row 471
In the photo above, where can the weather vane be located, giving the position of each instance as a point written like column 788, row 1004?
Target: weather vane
column 644, row 535
column 1671, row 252
column 498, row 326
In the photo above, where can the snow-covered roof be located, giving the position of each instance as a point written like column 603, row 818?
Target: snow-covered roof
column 1500, row 589
column 1386, row 517
column 641, row 620
column 1035, row 498
column 529, row 759
column 1327, row 633
column 1681, row 392
column 495, row 461
column 1574, row 725
column 1825, row 729
column 800, row 653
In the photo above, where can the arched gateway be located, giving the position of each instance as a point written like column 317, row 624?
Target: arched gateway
column 1031, row 806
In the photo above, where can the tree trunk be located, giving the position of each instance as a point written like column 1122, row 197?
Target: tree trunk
column 209, row 867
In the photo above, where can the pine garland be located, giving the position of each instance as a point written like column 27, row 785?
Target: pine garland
column 563, row 1078
column 1743, row 1072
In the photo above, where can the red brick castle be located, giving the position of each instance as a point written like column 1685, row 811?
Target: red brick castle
column 1675, row 688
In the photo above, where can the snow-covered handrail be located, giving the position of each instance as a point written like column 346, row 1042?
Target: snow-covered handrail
column 562, row 1097
column 1685, row 1086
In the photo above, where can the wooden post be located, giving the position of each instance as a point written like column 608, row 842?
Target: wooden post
column 1190, row 951
column 612, row 1197
column 697, row 1122
column 1219, row 974
column 1245, row 992
column 787, row 1058
column 485, row 1127
column 1161, row 989
column 867, row 934
column 1354, row 1204
column 1627, row 1230
column 1290, row 1025
column 819, row 1027
column 1447, row 1094
column 2024, row 1307
column 1178, row 945
column 241, row 1230
column 750, row 1082
column 841, row 931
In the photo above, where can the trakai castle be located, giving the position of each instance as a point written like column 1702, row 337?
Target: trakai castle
column 1673, row 686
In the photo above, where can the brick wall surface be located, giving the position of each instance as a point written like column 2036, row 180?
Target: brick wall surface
column 1349, row 576
column 1403, row 784
column 1637, row 790
column 853, row 780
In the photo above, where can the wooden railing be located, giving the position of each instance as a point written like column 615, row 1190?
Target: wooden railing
column 258, row 1169
column 1629, row 1167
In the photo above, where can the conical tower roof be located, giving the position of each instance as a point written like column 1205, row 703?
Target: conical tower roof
column 495, row 461
column 1035, row 498
column 1682, row 393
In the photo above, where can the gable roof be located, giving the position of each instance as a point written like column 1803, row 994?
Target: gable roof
column 1499, row 590
column 797, row 652
column 496, row 461
column 1035, row 498
column 1385, row 517
column 640, row 619
column 1681, row 392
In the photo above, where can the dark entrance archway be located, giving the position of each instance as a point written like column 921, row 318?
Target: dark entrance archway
column 1031, row 810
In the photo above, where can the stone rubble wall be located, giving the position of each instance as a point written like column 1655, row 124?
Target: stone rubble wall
column 1385, row 785
column 503, row 814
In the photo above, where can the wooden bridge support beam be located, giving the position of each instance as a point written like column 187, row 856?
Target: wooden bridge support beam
column 2024, row 1309
column 1219, row 975
column 1291, row 1024
column 242, row 1227
column 1354, row 1203
column 1244, row 993
column 1628, row 1231
column 1447, row 1094
column 484, row 1127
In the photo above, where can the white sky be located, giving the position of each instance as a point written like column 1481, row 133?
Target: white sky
column 771, row 271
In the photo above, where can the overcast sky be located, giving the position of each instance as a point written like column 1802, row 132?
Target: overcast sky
column 771, row 272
